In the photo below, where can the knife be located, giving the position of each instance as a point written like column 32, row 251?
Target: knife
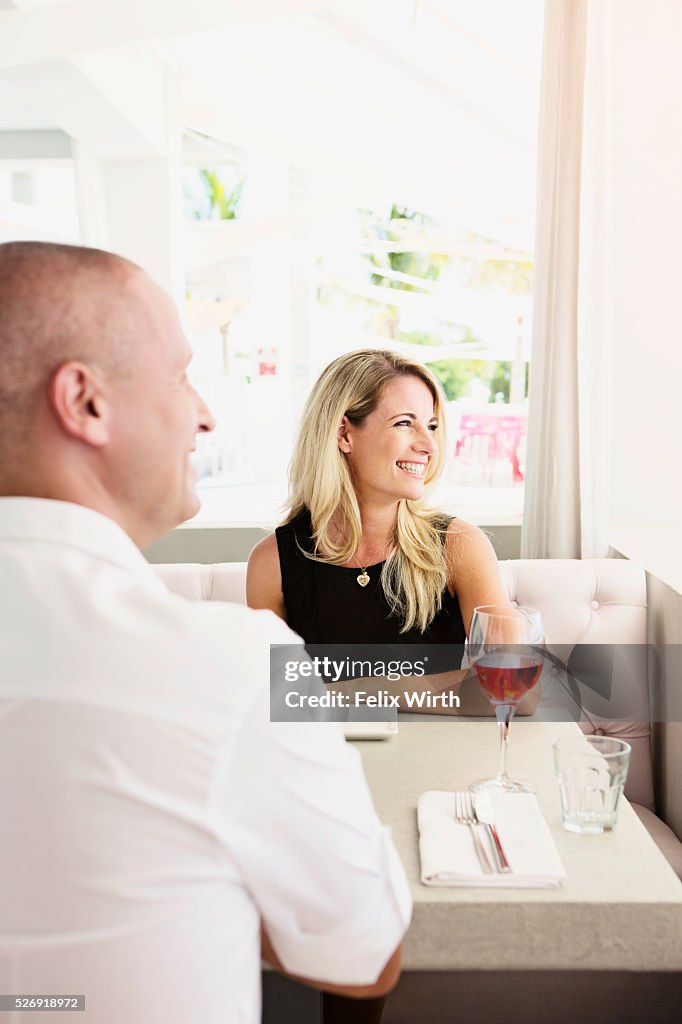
column 484, row 813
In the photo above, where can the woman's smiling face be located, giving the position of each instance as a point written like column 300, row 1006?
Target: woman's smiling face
column 388, row 454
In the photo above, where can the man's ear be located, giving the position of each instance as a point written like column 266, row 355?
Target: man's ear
column 79, row 403
column 344, row 436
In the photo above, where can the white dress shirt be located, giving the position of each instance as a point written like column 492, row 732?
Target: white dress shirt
column 151, row 814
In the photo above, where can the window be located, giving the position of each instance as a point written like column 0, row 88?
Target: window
column 388, row 200
column 355, row 175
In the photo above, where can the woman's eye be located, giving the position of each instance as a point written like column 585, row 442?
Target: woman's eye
column 408, row 423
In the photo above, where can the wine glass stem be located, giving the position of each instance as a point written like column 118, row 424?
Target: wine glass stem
column 504, row 714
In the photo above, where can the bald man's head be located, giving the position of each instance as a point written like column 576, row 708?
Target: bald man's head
column 57, row 303
column 95, row 404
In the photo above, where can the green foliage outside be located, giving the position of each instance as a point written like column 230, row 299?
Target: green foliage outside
column 224, row 203
column 441, row 338
column 416, row 264
column 514, row 276
column 456, row 375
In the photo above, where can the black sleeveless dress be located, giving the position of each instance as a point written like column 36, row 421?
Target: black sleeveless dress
column 325, row 604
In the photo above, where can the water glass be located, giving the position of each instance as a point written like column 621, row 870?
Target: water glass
column 591, row 771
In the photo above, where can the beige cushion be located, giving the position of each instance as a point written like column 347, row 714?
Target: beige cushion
column 223, row 581
column 595, row 601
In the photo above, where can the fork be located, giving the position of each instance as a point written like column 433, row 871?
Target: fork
column 466, row 815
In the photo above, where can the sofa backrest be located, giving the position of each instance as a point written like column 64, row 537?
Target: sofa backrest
column 595, row 601
column 223, row 581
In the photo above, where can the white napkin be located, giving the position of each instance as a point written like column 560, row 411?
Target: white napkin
column 447, row 852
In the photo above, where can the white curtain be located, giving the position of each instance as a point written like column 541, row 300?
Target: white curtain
column 567, row 465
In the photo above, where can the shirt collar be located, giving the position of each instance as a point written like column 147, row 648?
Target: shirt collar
column 68, row 525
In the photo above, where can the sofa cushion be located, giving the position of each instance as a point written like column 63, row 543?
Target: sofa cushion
column 595, row 601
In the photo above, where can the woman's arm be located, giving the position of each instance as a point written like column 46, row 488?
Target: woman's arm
column 473, row 571
column 264, row 578
column 474, row 575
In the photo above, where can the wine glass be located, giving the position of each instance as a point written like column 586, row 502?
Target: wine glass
column 503, row 649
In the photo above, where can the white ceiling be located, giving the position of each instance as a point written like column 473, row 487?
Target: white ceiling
column 16, row 112
column 432, row 103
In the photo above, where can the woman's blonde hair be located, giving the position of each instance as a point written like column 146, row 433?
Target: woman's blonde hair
column 414, row 575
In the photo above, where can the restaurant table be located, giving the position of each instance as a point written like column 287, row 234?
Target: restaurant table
column 606, row 945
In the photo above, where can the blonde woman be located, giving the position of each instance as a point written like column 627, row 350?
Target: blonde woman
column 360, row 557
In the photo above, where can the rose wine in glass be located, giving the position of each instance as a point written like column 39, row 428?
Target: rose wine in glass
column 504, row 651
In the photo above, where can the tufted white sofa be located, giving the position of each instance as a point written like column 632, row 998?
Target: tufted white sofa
column 598, row 601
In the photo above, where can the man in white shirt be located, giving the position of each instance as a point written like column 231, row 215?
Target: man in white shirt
column 154, row 822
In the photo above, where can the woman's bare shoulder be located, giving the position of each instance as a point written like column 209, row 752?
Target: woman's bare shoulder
column 265, row 551
column 264, row 577
column 462, row 537
column 473, row 570
column 468, row 549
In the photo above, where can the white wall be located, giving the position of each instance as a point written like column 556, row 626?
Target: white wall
column 647, row 395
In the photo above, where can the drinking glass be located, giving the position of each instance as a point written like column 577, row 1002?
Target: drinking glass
column 591, row 771
column 504, row 650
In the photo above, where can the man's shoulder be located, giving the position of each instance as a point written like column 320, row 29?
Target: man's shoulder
column 211, row 651
column 220, row 626
column 224, row 619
